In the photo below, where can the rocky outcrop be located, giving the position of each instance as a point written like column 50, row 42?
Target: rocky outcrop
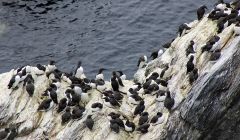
column 204, row 110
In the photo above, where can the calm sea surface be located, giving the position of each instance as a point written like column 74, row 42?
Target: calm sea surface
column 101, row 33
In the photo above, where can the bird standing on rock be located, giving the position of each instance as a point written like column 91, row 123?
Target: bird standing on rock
column 201, row 12
column 51, row 66
column 158, row 119
column 79, row 71
column 129, row 126
column 142, row 61
column 122, row 76
column 139, row 108
column 190, row 65
column 169, row 102
column 30, row 88
column 45, row 105
column 100, row 74
column 193, row 75
column 62, row 105
column 215, row 55
column 156, row 54
column 66, row 117
column 143, row 118
column 89, row 122
column 190, row 48
column 182, row 29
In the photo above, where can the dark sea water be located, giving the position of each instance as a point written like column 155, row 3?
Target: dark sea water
column 101, row 33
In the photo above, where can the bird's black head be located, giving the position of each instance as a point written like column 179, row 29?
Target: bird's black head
column 52, row 62
column 145, row 114
column 79, row 63
column 204, row 7
column 191, row 42
column 114, row 73
column 64, row 100
column 7, row 130
column 89, row 116
column 49, row 100
column 168, row 94
column 191, row 58
column 159, row 114
column 195, row 70
column 101, row 70
column 68, row 109
column 154, row 55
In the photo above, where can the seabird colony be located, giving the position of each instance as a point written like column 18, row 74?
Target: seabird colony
column 76, row 96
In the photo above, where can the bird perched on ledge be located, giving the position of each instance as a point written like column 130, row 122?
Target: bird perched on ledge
column 201, row 12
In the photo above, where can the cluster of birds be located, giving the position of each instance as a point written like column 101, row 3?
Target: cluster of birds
column 77, row 95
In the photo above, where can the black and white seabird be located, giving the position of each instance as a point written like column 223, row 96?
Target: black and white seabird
column 222, row 24
column 62, row 105
column 76, row 98
column 190, row 65
column 66, row 117
column 162, row 74
column 111, row 102
column 143, row 118
column 51, row 66
column 201, row 12
column 28, row 78
column 30, row 88
column 114, row 84
column 122, row 76
column 193, row 75
column 117, row 95
column 96, row 107
column 190, row 48
column 158, row 119
column 78, row 112
column 139, row 108
column 207, row 47
column 100, row 74
column 156, row 54
column 134, row 99
column 45, row 105
column 14, row 81
column 114, row 126
column 79, row 70
column 39, row 70
column 143, row 128
column 53, row 95
column 119, row 80
column 182, row 29
column 129, row 126
column 85, row 96
column 154, row 76
column 142, row 61
column 113, row 115
column 4, row 133
column 169, row 102
column 100, row 85
column 215, row 55
column 89, row 122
